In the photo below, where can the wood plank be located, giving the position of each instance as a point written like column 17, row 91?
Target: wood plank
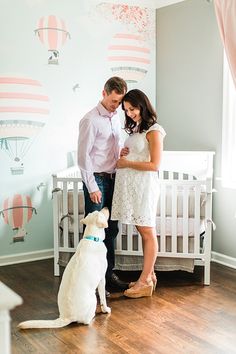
column 182, row 316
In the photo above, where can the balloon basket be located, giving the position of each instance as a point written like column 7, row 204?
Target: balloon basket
column 53, row 61
column 17, row 170
column 18, row 239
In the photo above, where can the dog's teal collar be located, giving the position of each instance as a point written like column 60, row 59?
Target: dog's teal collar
column 93, row 238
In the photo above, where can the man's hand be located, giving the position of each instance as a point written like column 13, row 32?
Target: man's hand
column 96, row 197
column 124, row 151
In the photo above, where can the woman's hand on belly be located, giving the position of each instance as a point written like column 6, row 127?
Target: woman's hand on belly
column 122, row 163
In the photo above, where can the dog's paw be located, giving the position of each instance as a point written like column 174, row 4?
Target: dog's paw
column 105, row 309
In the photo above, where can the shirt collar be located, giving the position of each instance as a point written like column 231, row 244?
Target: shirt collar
column 104, row 112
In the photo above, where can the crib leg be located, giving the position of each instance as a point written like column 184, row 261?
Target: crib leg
column 56, row 267
column 207, row 273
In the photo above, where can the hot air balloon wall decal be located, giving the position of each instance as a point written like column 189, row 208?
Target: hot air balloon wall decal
column 24, row 108
column 17, row 212
column 129, row 57
column 53, row 34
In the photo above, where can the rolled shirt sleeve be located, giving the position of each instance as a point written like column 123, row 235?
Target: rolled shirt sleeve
column 87, row 135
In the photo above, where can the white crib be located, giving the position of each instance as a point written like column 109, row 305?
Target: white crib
column 184, row 216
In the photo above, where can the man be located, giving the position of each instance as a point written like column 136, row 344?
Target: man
column 98, row 151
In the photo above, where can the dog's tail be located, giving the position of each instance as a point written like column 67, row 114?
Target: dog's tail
column 59, row 322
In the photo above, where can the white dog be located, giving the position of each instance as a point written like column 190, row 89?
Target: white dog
column 83, row 275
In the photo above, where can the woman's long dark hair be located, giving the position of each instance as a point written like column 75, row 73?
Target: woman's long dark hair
column 139, row 100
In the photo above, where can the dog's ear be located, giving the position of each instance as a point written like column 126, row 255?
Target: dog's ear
column 83, row 221
column 101, row 220
column 105, row 212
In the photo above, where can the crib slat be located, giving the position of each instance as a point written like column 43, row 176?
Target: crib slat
column 129, row 237
column 160, row 174
column 170, row 175
column 174, row 219
column 65, row 213
column 119, row 238
column 197, row 219
column 139, row 242
column 163, row 216
column 185, row 218
column 56, row 219
column 76, row 213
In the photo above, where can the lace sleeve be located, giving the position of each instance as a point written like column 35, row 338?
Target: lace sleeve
column 158, row 128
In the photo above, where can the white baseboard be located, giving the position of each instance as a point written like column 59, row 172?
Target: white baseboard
column 26, row 257
column 46, row 254
column 223, row 259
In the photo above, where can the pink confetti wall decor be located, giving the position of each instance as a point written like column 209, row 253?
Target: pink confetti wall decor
column 141, row 19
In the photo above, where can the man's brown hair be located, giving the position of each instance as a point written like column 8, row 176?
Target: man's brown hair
column 116, row 84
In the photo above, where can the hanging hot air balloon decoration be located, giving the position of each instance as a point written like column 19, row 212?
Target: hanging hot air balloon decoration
column 24, row 108
column 53, row 34
column 129, row 57
column 17, row 211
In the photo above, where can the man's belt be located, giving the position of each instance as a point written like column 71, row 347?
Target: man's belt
column 105, row 175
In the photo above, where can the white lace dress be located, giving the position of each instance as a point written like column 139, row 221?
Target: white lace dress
column 136, row 192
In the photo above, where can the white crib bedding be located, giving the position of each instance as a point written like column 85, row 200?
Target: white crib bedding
column 168, row 226
column 131, row 263
column 168, row 202
column 134, row 262
column 180, row 199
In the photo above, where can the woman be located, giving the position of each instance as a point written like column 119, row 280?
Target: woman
column 136, row 187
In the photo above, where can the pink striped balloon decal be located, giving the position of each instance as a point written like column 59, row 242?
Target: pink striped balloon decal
column 126, row 58
column 129, row 56
column 19, row 80
column 129, row 47
column 30, row 211
column 20, row 95
column 52, row 33
column 64, row 33
column 17, row 213
column 128, row 36
column 5, row 211
column 41, row 32
column 24, row 110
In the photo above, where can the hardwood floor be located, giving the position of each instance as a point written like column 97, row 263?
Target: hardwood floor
column 183, row 316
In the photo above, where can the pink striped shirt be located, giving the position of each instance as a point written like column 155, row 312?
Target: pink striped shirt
column 98, row 144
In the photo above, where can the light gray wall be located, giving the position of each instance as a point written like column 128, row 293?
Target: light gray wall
column 83, row 63
column 189, row 97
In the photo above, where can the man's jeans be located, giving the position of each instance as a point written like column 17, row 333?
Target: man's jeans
column 106, row 186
